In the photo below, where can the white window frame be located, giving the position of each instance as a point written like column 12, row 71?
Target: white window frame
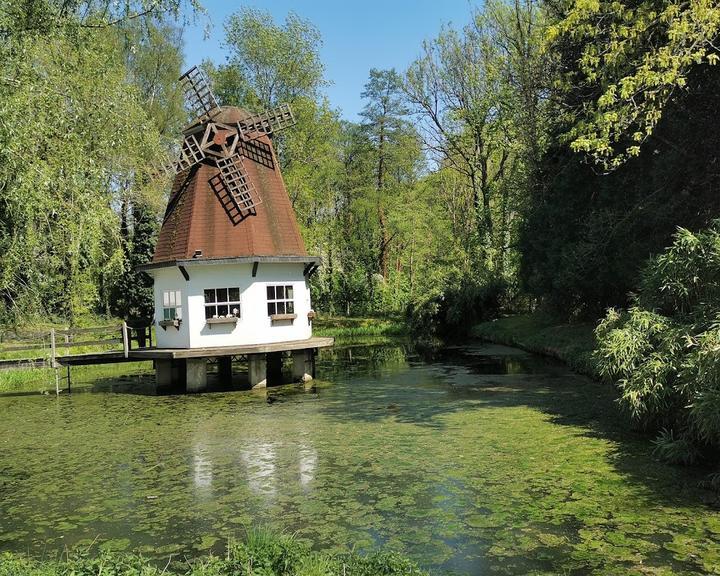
column 232, row 304
column 274, row 303
column 172, row 305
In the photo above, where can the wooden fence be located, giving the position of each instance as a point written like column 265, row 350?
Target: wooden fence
column 51, row 345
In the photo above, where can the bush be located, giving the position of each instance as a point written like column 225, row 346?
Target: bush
column 664, row 352
column 456, row 309
column 263, row 553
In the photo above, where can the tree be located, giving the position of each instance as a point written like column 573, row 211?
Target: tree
column 74, row 136
column 384, row 126
column 478, row 93
column 625, row 62
column 153, row 53
column 270, row 64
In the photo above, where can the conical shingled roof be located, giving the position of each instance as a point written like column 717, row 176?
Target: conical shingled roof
column 201, row 216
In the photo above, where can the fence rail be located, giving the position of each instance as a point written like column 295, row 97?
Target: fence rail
column 51, row 344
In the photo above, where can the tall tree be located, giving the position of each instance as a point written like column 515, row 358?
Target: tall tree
column 74, row 136
column 458, row 90
column 153, row 51
column 269, row 63
column 383, row 123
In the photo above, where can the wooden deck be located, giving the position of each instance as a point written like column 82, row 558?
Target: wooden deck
column 143, row 354
column 109, row 357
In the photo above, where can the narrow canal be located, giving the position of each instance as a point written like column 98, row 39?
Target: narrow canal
column 480, row 460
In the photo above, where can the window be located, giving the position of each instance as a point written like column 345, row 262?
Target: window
column 280, row 300
column 222, row 302
column 172, row 305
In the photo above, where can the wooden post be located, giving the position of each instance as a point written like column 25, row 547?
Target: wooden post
column 126, row 340
column 52, row 347
column 68, row 377
column 52, row 362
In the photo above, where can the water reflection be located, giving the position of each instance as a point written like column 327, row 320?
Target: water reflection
column 259, row 457
column 307, row 459
column 202, row 468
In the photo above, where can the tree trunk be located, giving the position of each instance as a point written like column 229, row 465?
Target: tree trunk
column 384, row 240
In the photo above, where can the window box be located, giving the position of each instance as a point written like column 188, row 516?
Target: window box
column 164, row 324
column 231, row 320
column 280, row 317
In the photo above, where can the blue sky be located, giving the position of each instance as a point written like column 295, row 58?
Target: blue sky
column 357, row 36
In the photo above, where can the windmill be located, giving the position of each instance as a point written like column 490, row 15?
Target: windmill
column 224, row 145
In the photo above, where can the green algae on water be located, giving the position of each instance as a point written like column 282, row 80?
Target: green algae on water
column 480, row 460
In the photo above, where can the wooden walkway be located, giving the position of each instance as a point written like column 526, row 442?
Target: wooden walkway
column 142, row 354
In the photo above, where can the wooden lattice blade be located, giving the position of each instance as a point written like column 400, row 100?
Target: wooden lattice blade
column 267, row 122
column 237, row 183
column 198, row 94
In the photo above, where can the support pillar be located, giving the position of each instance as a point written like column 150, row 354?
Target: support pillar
column 257, row 370
column 225, row 370
column 303, row 368
column 196, row 374
column 163, row 372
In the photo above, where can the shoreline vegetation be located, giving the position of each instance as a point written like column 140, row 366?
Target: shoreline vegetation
column 572, row 343
column 261, row 553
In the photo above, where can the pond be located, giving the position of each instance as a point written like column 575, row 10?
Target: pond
column 478, row 460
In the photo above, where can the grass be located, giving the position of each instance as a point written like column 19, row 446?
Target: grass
column 358, row 327
column 573, row 344
column 263, row 553
column 42, row 380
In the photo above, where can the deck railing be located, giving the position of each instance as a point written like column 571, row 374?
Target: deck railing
column 52, row 344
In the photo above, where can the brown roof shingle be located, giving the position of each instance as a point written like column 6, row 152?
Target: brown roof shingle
column 200, row 216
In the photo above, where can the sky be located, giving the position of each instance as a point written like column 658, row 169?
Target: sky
column 357, row 36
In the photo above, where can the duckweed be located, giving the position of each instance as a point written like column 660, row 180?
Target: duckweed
column 478, row 459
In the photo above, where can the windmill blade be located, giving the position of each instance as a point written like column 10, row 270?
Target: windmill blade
column 197, row 92
column 237, row 182
column 266, row 122
column 191, row 153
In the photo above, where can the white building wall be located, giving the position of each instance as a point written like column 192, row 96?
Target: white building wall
column 254, row 325
column 170, row 337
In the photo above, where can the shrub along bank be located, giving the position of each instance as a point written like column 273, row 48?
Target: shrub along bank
column 262, row 554
column 663, row 352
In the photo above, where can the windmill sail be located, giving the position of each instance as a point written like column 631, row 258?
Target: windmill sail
column 191, row 154
column 237, row 183
column 197, row 92
column 267, row 122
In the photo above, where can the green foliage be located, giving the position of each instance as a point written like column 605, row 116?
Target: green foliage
column 663, row 352
column 262, row 553
column 269, row 63
column 628, row 61
column 132, row 296
column 478, row 99
column 358, row 327
column 586, row 236
column 77, row 130
column 453, row 312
